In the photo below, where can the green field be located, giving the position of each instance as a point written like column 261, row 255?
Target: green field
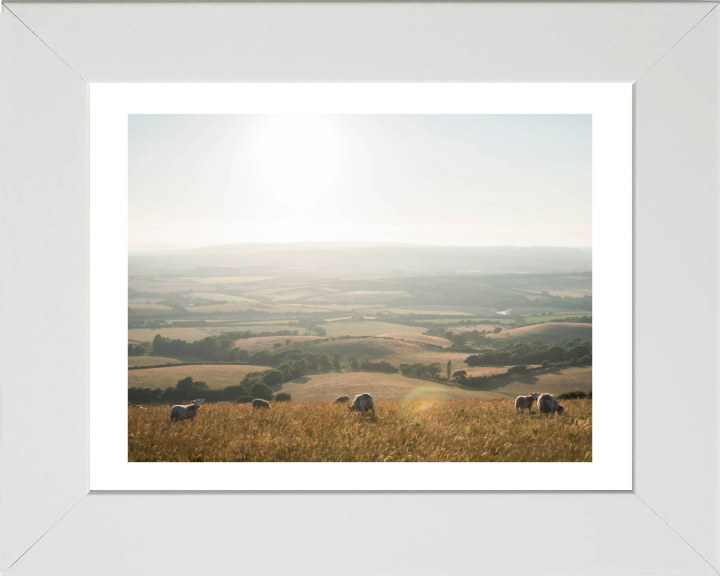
column 541, row 319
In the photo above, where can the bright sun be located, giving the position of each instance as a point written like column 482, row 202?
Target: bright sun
column 298, row 158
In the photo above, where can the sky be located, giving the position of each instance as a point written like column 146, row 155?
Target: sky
column 452, row 180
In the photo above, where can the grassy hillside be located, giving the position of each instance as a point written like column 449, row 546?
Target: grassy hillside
column 268, row 342
column 147, row 334
column 367, row 328
column 419, row 338
column 385, row 387
column 393, row 351
column 214, row 375
column 409, row 431
column 151, row 361
column 549, row 333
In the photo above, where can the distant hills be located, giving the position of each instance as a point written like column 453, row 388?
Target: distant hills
column 357, row 258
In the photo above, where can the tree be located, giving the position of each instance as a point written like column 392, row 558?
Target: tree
column 283, row 397
column 578, row 352
column 337, row 357
column 497, row 330
column 261, row 390
column 545, row 364
column 354, row 364
column 448, row 369
column 460, row 375
column 319, row 330
column 556, row 353
column 273, row 377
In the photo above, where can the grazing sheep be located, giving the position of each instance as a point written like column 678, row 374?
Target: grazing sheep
column 362, row 403
column 341, row 399
column 178, row 413
column 522, row 402
column 260, row 403
column 547, row 403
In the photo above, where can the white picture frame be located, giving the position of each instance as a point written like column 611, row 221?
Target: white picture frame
column 610, row 106
column 50, row 523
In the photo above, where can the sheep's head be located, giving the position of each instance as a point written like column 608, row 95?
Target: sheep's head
column 560, row 409
column 197, row 402
column 535, row 395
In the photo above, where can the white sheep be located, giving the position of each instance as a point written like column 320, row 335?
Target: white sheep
column 260, row 403
column 178, row 413
column 522, row 402
column 341, row 399
column 547, row 403
column 362, row 403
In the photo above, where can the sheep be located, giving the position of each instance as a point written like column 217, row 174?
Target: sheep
column 522, row 402
column 362, row 403
column 341, row 399
column 178, row 413
column 260, row 403
column 548, row 403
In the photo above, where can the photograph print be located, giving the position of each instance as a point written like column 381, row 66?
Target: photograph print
column 360, row 288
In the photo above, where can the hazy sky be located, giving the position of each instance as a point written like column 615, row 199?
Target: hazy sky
column 201, row 180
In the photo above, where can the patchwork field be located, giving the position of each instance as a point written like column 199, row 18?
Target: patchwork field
column 240, row 307
column 328, row 386
column 151, row 361
column 553, row 381
column 419, row 338
column 403, row 431
column 367, row 328
column 148, row 334
column 383, row 387
column 541, row 319
column 218, row 296
column 392, row 351
column 226, row 280
column 548, row 332
column 214, row 375
column 268, row 342
column 149, row 309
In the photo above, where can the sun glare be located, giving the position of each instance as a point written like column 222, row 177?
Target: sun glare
column 298, row 158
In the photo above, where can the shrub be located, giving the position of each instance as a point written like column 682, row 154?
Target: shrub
column 517, row 370
column 262, row 390
column 545, row 364
column 585, row 359
column 572, row 395
column 273, row 377
column 283, row 397
column 244, row 400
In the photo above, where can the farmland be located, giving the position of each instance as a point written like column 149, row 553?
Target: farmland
column 547, row 332
column 410, row 430
column 215, row 375
column 349, row 328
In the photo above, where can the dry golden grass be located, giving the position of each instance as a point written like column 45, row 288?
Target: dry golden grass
column 329, row 385
column 147, row 334
column 145, row 309
column 216, row 376
column 383, row 387
column 367, row 328
column 419, row 338
column 452, row 431
column 393, row 351
column 229, row 280
column 553, row 381
column 151, row 361
column 267, row 342
column 549, row 332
